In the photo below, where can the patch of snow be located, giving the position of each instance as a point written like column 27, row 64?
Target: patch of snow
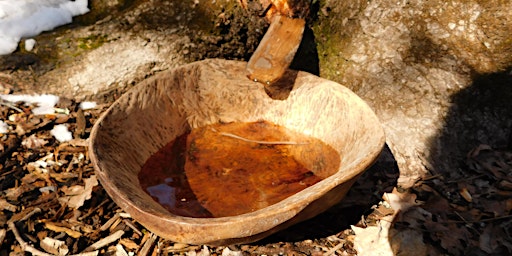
column 45, row 102
column 4, row 128
column 61, row 133
column 85, row 105
column 26, row 18
column 29, row 44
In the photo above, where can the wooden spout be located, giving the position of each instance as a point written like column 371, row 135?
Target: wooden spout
column 276, row 50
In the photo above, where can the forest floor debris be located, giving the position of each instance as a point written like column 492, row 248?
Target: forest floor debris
column 52, row 204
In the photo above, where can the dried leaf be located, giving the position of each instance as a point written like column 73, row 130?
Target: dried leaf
column 373, row 240
column 13, row 194
column 3, row 232
column 76, row 195
column 450, row 235
column 400, row 202
column 486, row 242
column 33, row 142
column 80, row 123
column 203, row 252
column 407, row 242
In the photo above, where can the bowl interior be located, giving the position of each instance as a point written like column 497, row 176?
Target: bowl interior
column 164, row 107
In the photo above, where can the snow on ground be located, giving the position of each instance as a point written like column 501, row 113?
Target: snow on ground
column 4, row 128
column 61, row 133
column 45, row 102
column 26, row 18
column 88, row 105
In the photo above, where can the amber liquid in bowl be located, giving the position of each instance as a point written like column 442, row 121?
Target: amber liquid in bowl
column 230, row 169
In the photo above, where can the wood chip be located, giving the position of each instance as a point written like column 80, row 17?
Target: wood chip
column 132, row 226
column 4, row 205
column 129, row 244
column 54, row 246
column 466, row 195
column 80, row 124
column 2, row 235
column 105, row 241
column 58, row 228
column 120, row 251
column 148, row 245
column 109, row 222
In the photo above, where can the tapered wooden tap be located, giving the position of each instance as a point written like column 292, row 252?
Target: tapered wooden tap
column 281, row 41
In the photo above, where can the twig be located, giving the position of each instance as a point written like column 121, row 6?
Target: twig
column 24, row 245
column 105, row 241
column 147, row 245
column 334, row 249
column 93, row 210
column 10, row 105
column 462, row 218
column 477, row 221
column 36, row 210
column 132, row 226
column 431, row 177
column 261, row 141
column 109, row 223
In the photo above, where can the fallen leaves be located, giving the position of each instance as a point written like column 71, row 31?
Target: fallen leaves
column 76, row 195
column 384, row 238
column 373, row 240
column 467, row 208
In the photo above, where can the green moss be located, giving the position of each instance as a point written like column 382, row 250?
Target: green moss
column 330, row 44
column 333, row 35
column 91, row 42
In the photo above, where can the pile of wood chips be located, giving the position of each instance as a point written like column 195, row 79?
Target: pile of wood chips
column 51, row 203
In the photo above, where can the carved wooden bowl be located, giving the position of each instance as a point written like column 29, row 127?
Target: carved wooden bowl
column 171, row 103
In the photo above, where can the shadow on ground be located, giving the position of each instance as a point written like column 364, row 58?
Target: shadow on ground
column 481, row 114
column 467, row 203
